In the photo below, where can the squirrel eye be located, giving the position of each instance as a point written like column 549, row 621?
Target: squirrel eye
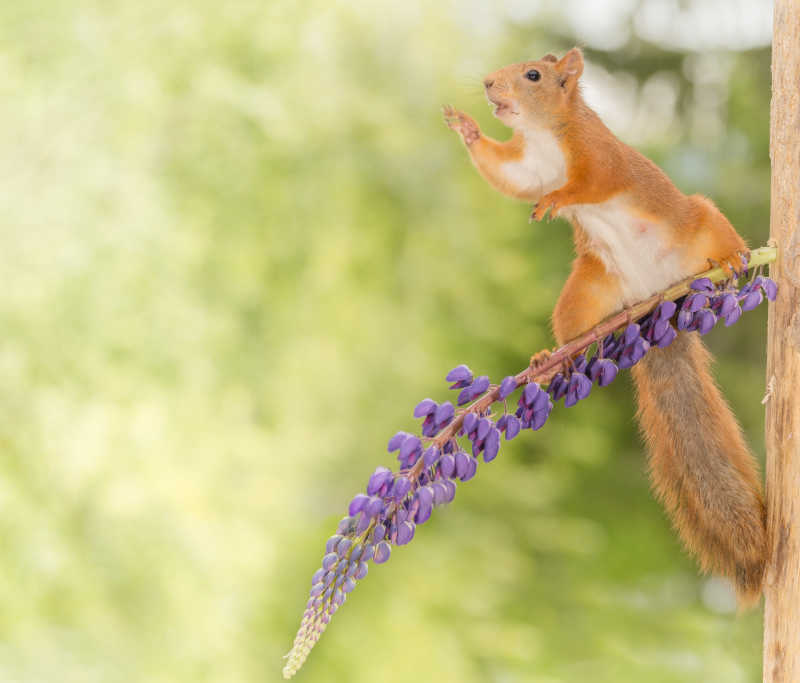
column 533, row 75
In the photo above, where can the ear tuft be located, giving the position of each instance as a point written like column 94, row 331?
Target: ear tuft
column 549, row 58
column 570, row 66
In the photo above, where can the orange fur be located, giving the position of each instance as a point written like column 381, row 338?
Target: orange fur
column 700, row 466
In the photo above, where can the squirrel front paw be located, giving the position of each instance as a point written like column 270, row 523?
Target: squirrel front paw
column 553, row 201
column 735, row 264
column 462, row 123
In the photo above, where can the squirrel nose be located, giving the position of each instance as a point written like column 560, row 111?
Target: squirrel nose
column 488, row 82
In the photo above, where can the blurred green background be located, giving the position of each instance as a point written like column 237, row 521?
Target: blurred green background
column 239, row 244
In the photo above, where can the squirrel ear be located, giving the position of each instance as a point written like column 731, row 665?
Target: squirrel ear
column 570, row 67
column 549, row 58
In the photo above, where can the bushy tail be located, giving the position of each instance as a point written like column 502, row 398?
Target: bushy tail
column 700, row 466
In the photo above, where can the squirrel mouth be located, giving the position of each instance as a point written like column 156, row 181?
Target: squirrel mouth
column 500, row 107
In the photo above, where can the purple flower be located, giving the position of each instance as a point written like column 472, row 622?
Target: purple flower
column 474, row 390
column 397, row 440
column 733, row 316
column 469, row 422
column 405, row 532
column 578, row 388
column 507, row 386
column 492, row 445
column 357, row 504
column 512, row 427
column 694, row 302
column 702, row 284
column 769, row 287
column 752, row 299
column 425, row 407
column 665, row 310
column 382, row 552
column 461, row 375
column 396, row 503
column 381, row 476
column 684, row 320
column 447, row 465
column 430, row 456
column 631, row 333
column 666, row 339
column 401, row 488
column 444, row 413
column 705, row 321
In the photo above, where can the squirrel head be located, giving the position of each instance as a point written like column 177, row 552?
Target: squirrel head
column 539, row 93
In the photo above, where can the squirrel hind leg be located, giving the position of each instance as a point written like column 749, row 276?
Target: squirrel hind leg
column 700, row 466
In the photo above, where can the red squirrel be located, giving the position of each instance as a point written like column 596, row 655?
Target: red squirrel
column 635, row 234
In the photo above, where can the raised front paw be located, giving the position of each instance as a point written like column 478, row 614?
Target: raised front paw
column 462, row 123
column 552, row 201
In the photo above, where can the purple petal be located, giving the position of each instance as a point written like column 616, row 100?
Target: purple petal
column 502, row 422
column 460, row 373
column 472, row 468
column 492, row 445
column 753, row 299
column 361, row 572
column 479, row 385
column 733, row 316
column 357, row 504
column 425, row 407
column 464, row 396
column 484, row 425
column 444, row 413
column 378, row 532
column 684, row 320
column 332, row 542
column 430, row 456
column 530, row 392
column 665, row 310
column 512, row 427
column 382, row 552
column 409, row 446
column 405, row 532
column 507, row 387
column 659, row 328
column 769, row 287
column 470, row 420
column 401, row 488
column 702, row 284
column 379, row 477
column 462, row 463
column 694, row 302
column 329, row 561
column 396, row 441
column 439, row 493
column 423, row 513
column 706, row 321
column 608, row 372
column 631, row 333
column 343, row 547
column 667, row 338
column 374, row 507
column 727, row 303
column 450, row 488
column 447, row 465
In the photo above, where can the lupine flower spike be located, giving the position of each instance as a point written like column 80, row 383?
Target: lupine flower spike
column 451, row 442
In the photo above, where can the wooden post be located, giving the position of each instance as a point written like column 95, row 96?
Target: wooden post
column 782, row 589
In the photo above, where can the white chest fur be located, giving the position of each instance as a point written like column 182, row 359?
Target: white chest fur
column 630, row 247
column 542, row 168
